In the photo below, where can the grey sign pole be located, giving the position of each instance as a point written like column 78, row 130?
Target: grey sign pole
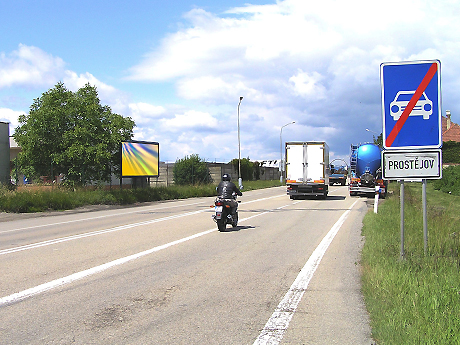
column 401, row 197
column 425, row 226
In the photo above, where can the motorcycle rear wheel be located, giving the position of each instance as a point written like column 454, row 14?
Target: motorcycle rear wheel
column 221, row 225
column 235, row 220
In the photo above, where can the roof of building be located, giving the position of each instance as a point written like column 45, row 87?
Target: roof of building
column 451, row 134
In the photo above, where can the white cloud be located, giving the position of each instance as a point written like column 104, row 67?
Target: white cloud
column 308, row 86
column 144, row 113
column 216, row 88
column 75, row 81
column 29, row 66
column 315, row 62
column 11, row 116
column 190, row 120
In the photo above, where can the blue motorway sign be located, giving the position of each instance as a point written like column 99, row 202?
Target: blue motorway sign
column 411, row 104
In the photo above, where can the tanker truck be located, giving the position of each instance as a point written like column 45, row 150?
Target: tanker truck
column 366, row 170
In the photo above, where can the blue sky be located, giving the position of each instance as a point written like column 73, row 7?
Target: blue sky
column 178, row 67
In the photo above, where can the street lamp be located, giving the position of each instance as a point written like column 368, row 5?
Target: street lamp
column 368, row 130
column 281, row 150
column 240, row 180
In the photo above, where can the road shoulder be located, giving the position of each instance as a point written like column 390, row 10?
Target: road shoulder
column 332, row 310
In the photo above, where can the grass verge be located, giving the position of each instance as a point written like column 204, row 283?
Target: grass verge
column 415, row 300
column 63, row 199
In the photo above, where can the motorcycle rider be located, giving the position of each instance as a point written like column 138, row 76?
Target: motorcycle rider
column 225, row 190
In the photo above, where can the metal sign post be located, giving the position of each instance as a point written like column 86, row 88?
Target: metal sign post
column 425, row 225
column 411, row 109
column 401, row 201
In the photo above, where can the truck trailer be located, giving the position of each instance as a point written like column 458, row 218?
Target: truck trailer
column 366, row 170
column 307, row 169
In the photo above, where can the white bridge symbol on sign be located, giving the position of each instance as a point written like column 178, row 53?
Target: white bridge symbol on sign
column 423, row 107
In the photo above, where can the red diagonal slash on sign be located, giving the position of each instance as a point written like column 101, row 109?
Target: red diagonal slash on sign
column 415, row 97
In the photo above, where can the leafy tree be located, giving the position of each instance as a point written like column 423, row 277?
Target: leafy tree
column 451, row 152
column 191, row 170
column 378, row 140
column 72, row 134
column 247, row 168
column 256, row 166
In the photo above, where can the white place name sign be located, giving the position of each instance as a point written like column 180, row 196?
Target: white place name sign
column 417, row 164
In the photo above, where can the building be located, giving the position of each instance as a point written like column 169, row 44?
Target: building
column 4, row 153
column 450, row 130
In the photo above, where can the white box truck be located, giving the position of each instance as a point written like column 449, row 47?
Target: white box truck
column 307, row 169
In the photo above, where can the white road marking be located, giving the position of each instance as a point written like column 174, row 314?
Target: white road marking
column 118, row 214
column 92, row 233
column 278, row 323
column 79, row 275
column 91, row 271
column 92, row 218
column 105, row 231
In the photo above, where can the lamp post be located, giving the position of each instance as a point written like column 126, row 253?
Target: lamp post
column 240, row 180
column 281, row 150
column 368, row 130
column 378, row 139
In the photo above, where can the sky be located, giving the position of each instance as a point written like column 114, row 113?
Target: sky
column 179, row 68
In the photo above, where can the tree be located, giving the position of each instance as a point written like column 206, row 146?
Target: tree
column 247, row 168
column 451, row 152
column 72, row 134
column 379, row 140
column 256, row 166
column 191, row 170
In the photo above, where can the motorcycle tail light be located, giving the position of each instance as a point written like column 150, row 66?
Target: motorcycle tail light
column 218, row 203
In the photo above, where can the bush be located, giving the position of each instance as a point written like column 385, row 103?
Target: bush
column 450, row 182
column 451, row 152
column 64, row 199
column 191, row 170
column 247, row 169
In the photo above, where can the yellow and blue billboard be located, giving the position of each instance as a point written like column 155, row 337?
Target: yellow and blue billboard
column 139, row 158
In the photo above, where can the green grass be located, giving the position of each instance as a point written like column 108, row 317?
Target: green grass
column 415, row 300
column 64, row 199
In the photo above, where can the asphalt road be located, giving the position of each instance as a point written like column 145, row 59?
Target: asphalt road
column 161, row 273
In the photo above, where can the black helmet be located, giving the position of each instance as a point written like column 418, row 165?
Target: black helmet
column 226, row 177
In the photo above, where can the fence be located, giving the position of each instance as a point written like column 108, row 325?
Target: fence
column 166, row 175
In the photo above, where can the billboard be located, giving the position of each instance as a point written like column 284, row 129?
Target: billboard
column 139, row 159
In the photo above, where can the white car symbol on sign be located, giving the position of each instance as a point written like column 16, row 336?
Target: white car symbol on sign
column 423, row 107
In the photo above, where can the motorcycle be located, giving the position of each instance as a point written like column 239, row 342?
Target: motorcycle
column 223, row 213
